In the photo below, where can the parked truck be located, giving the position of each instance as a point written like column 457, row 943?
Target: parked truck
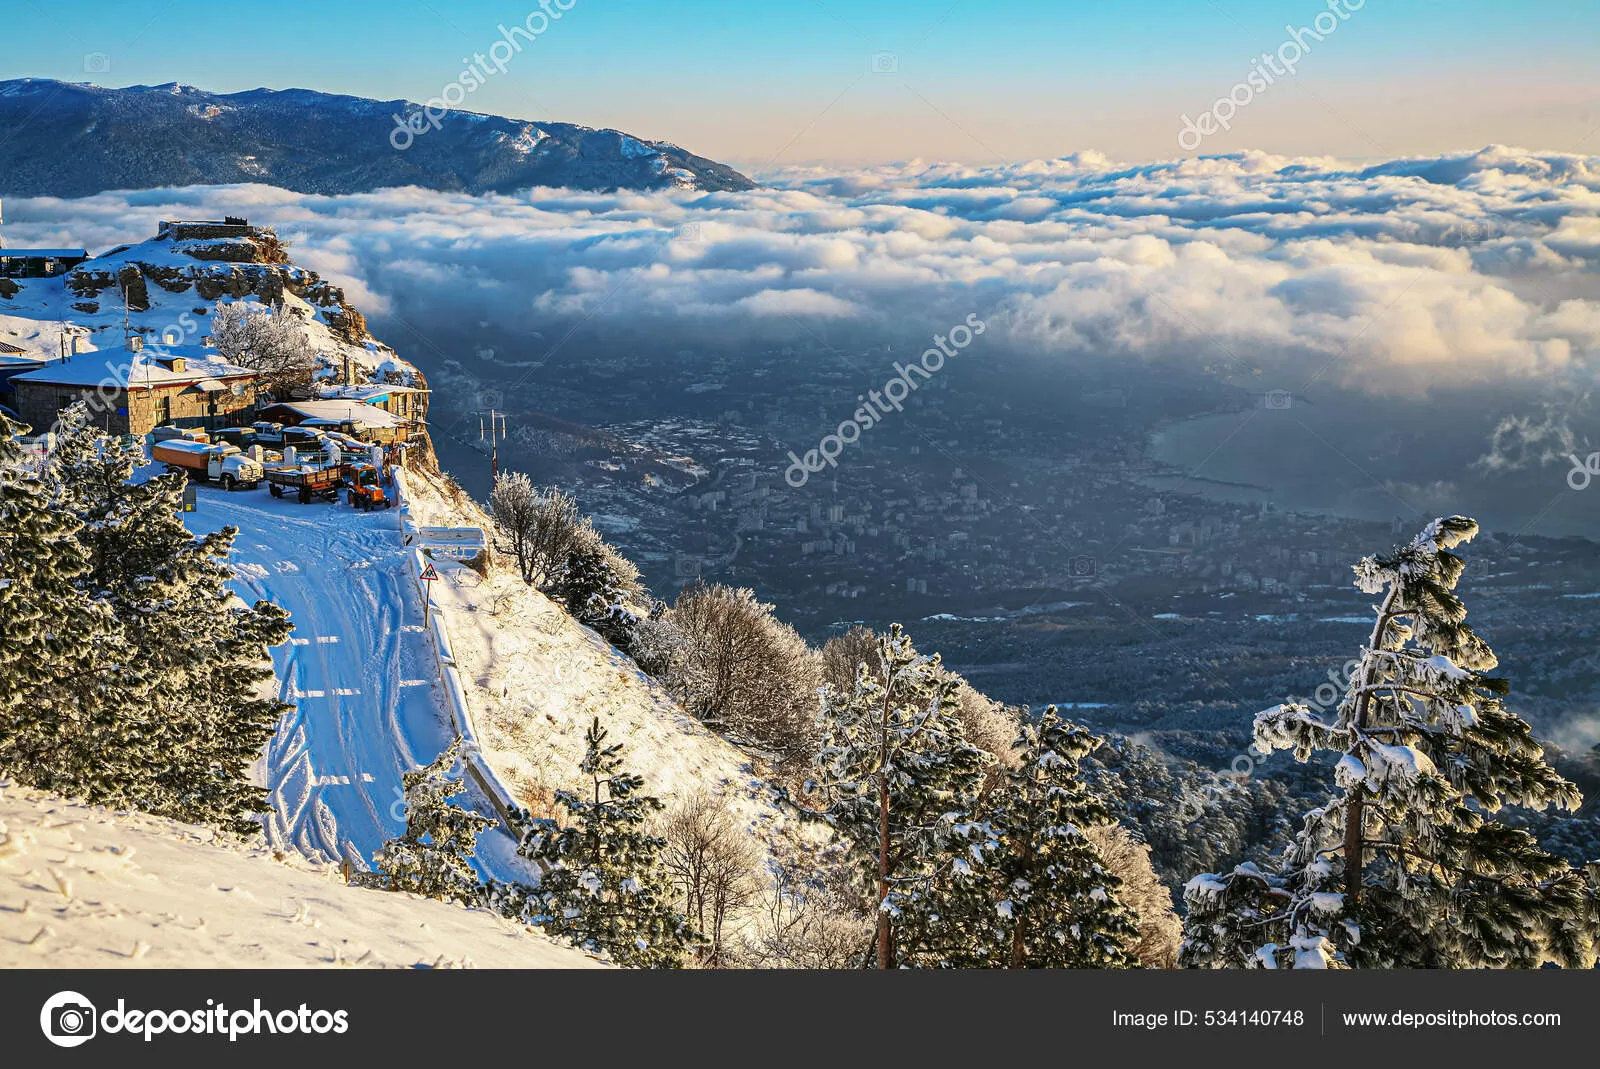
column 277, row 436
column 222, row 464
column 240, row 437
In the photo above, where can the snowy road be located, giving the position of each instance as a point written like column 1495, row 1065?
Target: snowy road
column 359, row 670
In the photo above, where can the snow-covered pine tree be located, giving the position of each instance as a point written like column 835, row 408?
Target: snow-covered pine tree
column 434, row 856
column 896, row 777
column 69, row 676
column 600, row 588
column 1405, row 867
column 604, row 885
column 202, row 721
column 1042, row 897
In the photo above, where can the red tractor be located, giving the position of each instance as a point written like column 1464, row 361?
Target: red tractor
column 366, row 488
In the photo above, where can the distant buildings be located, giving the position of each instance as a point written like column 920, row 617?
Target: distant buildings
column 37, row 263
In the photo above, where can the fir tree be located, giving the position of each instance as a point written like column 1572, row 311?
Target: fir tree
column 604, row 885
column 1405, row 867
column 434, row 856
column 896, row 777
column 202, row 720
column 600, row 588
column 71, row 693
column 1042, row 897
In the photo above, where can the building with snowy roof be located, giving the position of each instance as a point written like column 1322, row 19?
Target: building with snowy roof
column 407, row 402
column 14, row 361
column 37, row 263
column 367, row 422
column 133, row 389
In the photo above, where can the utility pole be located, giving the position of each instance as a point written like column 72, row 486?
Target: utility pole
column 495, row 431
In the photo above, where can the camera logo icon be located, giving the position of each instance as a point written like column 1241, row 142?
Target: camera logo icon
column 885, row 63
column 1278, row 400
column 68, row 1019
column 96, row 63
column 1082, row 567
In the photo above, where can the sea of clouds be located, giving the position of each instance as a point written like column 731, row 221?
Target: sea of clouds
column 1394, row 279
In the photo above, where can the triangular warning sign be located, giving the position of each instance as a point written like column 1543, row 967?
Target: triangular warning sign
column 428, row 574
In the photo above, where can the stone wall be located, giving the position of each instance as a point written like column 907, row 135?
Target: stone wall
column 39, row 404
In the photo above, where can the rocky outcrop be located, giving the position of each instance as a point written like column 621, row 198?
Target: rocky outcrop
column 247, row 262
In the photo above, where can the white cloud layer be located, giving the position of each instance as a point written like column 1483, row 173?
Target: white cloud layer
column 1460, row 270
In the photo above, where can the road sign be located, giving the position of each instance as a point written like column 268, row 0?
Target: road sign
column 428, row 574
column 190, row 501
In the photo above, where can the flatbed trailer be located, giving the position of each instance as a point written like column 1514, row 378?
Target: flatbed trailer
column 307, row 482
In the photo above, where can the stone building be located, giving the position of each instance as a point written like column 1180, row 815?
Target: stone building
column 135, row 390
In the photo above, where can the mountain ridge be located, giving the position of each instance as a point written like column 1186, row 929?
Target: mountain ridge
column 307, row 141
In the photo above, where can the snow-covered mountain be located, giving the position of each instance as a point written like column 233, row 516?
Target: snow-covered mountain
column 72, row 140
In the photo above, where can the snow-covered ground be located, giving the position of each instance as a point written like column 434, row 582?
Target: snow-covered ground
column 32, row 319
column 84, row 887
column 359, row 670
column 535, row 679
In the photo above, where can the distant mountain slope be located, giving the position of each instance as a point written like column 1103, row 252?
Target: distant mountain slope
column 71, row 140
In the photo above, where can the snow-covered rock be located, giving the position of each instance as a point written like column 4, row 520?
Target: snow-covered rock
column 172, row 286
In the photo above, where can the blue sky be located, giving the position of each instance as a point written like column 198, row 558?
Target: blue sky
column 794, row 81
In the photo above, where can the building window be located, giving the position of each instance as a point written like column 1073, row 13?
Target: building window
column 162, row 405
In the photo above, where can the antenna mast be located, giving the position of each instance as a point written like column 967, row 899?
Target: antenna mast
column 495, row 431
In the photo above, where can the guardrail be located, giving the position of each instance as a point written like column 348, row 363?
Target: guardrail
column 455, row 695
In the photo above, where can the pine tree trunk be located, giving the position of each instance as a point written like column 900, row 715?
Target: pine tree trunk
column 1353, row 850
column 1355, row 814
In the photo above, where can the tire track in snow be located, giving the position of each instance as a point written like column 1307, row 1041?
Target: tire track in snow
column 333, row 770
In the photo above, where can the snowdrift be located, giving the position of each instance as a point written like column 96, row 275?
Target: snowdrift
column 86, row 887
